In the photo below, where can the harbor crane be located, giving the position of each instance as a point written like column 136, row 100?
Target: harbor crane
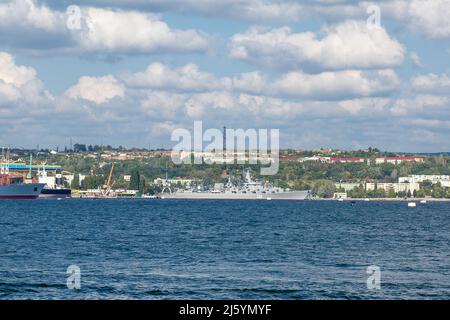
column 107, row 186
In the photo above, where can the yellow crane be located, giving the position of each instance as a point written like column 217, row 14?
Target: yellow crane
column 107, row 186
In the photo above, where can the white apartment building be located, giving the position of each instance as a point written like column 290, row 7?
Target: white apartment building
column 396, row 187
column 69, row 178
column 397, row 160
column 348, row 186
column 444, row 180
column 315, row 158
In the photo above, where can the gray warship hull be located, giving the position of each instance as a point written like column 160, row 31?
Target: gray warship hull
column 288, row 195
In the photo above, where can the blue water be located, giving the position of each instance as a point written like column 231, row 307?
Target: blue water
column 181, row 249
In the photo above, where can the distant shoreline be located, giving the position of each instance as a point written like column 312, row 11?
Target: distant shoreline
column 390, row 199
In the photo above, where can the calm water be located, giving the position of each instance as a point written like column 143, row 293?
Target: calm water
column 175, row 249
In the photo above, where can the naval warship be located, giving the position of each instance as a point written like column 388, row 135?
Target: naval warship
column 249, row 190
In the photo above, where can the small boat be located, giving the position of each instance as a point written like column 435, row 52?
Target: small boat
column 149, row 196
column 340, row 200
column 423, row 201
column 366, row 199
column 412, row 204
column 268, row 198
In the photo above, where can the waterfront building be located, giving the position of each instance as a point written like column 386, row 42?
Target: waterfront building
column 349, row 186
column 347, row 160
column 395, row 187
column 397, row 160
column 444, row 180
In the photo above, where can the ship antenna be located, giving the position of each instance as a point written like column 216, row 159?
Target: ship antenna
column 167, row 173
column 224, row 149
column 31, row 163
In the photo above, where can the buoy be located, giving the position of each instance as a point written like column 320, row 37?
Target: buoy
column 412, row 204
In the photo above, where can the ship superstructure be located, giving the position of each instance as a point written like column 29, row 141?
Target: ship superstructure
column 249, row 189
column 53, row 185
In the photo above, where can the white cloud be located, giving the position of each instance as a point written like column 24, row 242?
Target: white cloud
column 29, row 14
column 337, row 84
column 296, row 84
column 430, row 123
column 97, row 89
column 368, row 105
column 431, row 17
column 190, row 78
column 135, row 32
column 417, row 104
column 19, row 84
column 186, row 78
column 349, row 45
column 253, row 10
column 135, row 108
column 416, row 59
column 12, row 74
column 427, row 16
column 261, row 11
column 30, row 25
column 437, row 83
column 252, row 82
column 162, row 105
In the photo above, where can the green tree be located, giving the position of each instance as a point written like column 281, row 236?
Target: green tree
column 438, row 191
column 358, row 192
column 324, row 189
column 135, row 180
column 391, row 193
column 75, row 184
column 420, row 193
column 142, row 185
column 92, row 182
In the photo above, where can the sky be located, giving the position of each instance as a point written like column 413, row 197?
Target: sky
column 344, row 74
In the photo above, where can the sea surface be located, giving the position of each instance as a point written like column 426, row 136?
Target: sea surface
column 190, row 249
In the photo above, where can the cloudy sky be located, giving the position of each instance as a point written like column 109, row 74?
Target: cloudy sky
column 129, row 72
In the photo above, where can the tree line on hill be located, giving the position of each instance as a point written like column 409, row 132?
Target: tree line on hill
column 315, row 176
